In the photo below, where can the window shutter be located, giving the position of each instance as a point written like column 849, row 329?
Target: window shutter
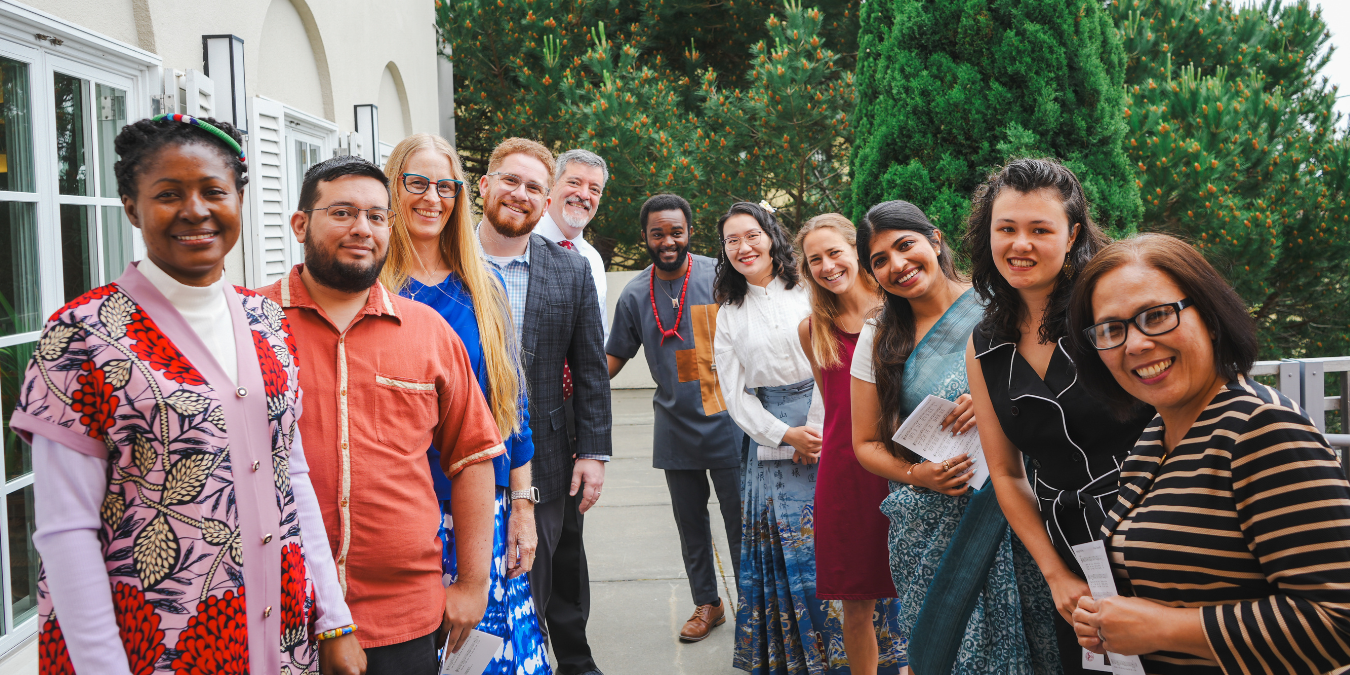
column 270, row 213
column 201, row 94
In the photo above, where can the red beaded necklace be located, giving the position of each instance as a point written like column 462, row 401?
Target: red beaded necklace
column 651, row 291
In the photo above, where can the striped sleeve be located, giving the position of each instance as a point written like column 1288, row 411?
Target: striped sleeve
column 1293, row 507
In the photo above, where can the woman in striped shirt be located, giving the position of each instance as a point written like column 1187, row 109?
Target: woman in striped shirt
column 1232, row 529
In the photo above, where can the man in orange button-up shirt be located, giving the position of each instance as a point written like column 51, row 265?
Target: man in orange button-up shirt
column 384, row 379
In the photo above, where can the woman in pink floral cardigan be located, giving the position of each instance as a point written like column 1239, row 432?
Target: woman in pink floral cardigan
column 173, row 499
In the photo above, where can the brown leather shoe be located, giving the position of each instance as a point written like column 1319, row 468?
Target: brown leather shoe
column 705, row 618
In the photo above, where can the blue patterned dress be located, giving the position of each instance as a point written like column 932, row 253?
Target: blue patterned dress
column 1010, row 630
column 510, row 611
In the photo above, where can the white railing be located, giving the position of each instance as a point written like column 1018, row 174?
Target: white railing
column 1304, row 381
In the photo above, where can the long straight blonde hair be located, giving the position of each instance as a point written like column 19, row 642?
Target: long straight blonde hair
column 825, row 305
column 460, row 253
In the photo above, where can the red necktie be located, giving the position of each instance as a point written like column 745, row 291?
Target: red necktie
column 567, row 372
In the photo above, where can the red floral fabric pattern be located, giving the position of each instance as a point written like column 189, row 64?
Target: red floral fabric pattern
column 156, row 350
column 274, row 376
column 215, row 641
column 293, row 595
column 138, row 625
column 94, row 400
column 53, row 658
column 103, row 368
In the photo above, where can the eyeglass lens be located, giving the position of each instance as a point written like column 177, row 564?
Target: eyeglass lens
column 751, row 238
column 347, row 215
column 1153, row 321
column 512, row 181
column 446, row 189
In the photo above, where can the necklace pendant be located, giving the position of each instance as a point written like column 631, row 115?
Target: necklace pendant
column 674, row 303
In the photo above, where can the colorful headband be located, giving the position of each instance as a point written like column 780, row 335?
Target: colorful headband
column 207, row 127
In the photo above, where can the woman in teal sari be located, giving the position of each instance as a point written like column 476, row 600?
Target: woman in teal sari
column 990, row 609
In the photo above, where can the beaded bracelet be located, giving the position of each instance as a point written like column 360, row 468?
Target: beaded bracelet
column 336, row 633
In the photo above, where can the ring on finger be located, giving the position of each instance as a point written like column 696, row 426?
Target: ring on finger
column 946, row 465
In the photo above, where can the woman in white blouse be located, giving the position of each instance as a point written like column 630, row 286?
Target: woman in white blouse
column 781, row 627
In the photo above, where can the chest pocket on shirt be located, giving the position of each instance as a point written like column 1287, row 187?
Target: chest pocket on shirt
column 405, row 412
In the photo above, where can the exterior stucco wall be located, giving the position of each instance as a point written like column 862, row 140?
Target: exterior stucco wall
column 352, row 42
column 114, row 18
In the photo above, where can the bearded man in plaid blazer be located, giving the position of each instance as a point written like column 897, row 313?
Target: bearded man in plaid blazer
column 559, row 327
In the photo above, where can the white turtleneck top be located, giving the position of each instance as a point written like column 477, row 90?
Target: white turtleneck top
column 206, row 311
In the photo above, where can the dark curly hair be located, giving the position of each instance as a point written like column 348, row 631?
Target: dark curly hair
column 665, row 202
column 144, row 138
column 1004, row 309
column 896, row 325
column 729, row 286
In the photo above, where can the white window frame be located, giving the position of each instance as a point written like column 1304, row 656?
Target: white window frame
column 77, row 51
column 301, row 125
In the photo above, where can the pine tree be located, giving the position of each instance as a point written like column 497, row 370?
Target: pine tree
column 1238, row 149
column 785, row 135
column 950, row 89
column 752, row 104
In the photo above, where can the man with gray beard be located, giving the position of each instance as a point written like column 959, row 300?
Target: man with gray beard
column 572, row 203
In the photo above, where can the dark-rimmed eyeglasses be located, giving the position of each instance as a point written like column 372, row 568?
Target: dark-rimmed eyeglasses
column 512, row 181
column 417, row 184
column 1154, row 321
column 347, row 216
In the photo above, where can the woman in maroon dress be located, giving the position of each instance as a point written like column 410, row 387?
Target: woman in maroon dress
column 851, row 557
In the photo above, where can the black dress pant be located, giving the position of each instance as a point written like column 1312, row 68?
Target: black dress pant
column 414, row 657
column 689, row 499
column 561, row 583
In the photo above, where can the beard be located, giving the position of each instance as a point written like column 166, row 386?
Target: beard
column 573, row 221
column 680, row 255
column 511, row 230
column 340, row 276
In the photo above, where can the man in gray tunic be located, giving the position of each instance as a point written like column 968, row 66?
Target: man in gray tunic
column 668, row 309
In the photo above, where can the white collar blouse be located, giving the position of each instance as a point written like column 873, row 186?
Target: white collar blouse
column 756, row 345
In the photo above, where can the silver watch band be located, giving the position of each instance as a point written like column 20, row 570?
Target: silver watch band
column 531, row 494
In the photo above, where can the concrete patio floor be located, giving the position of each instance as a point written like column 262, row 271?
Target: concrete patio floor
column 639, row 592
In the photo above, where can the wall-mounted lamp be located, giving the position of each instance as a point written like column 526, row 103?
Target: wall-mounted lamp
column 368, row 128
column 223, row 61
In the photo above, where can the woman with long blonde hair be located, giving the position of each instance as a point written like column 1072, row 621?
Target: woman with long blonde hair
column 433, row 258
column 851, row 556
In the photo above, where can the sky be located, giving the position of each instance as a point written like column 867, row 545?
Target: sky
column 1337, row 15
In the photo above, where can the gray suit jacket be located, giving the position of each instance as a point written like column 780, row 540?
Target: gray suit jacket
column 562, row 323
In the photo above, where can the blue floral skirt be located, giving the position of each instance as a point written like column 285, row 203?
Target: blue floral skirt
column 782, row 628
column 1011, row 631
column 510, row 610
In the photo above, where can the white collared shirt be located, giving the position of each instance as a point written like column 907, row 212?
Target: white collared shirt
column 756, row 345
column 549, row 230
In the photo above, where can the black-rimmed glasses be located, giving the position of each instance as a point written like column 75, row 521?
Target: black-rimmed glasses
column 417, row 184
column 1154, row 321
column 348, row 215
